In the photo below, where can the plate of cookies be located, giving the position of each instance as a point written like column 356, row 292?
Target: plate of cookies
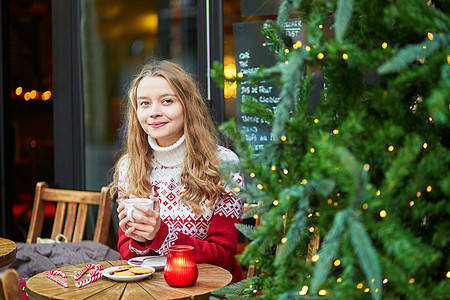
column 128, row 273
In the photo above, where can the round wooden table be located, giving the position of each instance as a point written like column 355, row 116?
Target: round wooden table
column 8, row 251
column 210, row 278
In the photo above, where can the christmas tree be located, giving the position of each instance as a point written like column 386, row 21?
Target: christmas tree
column 365, row 173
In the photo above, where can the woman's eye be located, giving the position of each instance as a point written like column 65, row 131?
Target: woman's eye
column 145, row 103
column 167, row 101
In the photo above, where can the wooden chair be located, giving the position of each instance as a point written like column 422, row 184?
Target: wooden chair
column 10, row 287
column 71, row 211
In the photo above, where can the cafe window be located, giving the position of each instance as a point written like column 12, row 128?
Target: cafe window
column 117, row 38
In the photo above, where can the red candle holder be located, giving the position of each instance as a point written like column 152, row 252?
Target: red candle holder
column 181, row 269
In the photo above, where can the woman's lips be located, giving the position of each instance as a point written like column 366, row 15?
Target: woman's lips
column 157, row 124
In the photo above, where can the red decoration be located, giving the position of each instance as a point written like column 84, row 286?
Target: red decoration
column 181, row 269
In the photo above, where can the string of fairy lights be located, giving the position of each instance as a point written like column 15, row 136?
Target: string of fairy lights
column 382, row 213
column 32, row 94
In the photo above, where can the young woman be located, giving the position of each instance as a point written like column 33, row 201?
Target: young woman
column 172, row 157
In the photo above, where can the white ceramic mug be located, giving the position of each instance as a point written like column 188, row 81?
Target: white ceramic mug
column 131, row 209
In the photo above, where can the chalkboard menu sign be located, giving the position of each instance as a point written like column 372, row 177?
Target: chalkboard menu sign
column 251, row 54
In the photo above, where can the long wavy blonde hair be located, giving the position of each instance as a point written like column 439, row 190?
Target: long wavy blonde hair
column 199, row 173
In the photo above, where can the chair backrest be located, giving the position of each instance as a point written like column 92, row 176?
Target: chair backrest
column 10, row 287
column 71, row 213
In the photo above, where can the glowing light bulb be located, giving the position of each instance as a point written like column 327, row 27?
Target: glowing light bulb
column 237, row 189
column 378, row 193
column 312, row 150
column 385, row 281
column 240, row 75
column 320, row 56
column 391, row 148
column 316, row 121
column 304, row 181
column 448, row 274
column 27, row 96
column 430, row 36
column 425, row 145
column 365, row 206
column 303, row 292
column 411, row 203
column 315, row 257
column 284, row 240
column 335, row 204
column 412, row 280
column 430, row 119
column 311, row 229
column 320, row 26
column 283, row 138
column 366, row 290
column 252, row 174
column 418, row 194
column 286, row 50
column 33, row 94
column 275, row 202
column 46, row 95
column 338, row 194
column 359, row 286
column 366, row 167
column 19, row 91
column 260, row 186
column 308, row 48
column 383, row 213
column 339, row 279
column 335, row 131
column 285, row 171
column 330, row 201
column 273, row 168
column 286, row 62
column 345, row 56
column 255, row 216
column 322, row 292
column 429, row 188
column 384, row 45
column 337, row 263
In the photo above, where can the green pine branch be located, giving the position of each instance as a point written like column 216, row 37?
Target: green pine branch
column 284, row 11
column 437, row 103
column 367, row 256
column 295, row 232
column 291, row 76
column 247, row 230
column 343, row 16
column 328, row 250
column 234, row 289
column 412, row 53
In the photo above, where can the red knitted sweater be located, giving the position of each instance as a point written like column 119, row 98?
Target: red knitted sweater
column 213, row 234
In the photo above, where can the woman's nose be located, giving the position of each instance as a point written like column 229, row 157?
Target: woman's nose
column 155, row 110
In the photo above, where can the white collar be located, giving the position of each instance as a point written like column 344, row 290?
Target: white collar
column 170, row 156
